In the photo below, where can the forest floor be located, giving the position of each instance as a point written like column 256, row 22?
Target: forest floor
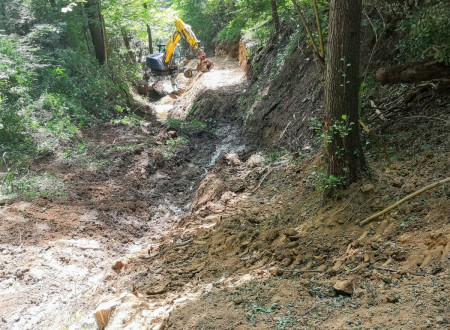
column 158, row 232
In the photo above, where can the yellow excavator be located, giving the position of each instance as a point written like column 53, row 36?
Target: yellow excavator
column 163, row 63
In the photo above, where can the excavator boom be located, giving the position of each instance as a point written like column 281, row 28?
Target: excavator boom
column 183, row 30
column 162, row 64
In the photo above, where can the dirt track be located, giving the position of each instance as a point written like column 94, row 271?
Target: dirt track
column 218, row 236
column 57, row 254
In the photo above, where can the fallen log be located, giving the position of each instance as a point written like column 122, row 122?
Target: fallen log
column 413, row 72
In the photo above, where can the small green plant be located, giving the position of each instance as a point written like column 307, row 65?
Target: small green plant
column 185, row 126
column 339, row 128
column 286, row 321
column 407, row 221
column 325, row 182
column 258, row 309
column 172, row 144
column 178, row 141
column 131, row 120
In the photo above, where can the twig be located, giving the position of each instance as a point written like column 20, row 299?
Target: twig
column 307, row 311
column 376, row 215
column 262, row 179
column 388, row 269
column 301, row 271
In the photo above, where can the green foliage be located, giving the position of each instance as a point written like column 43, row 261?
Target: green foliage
column 171, row 146
column 324, row 182
column 31, row 186
column 428, row 33
column 48, row 92
column 178, row 141
column 232, row 32
column 285, row 322
column 185, row 126
column 338, row 128
column 407, row 221
column 258, row 309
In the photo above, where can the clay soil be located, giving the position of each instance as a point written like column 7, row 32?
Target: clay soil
column 214, row 234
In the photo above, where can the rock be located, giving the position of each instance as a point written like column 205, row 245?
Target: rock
column 237, row 301
column 102, row 317
column 292, row 245
column 385, row 278
column 157, row 290
column 15, row 318
column 367, row 187
column 117, row 267
column 172, row 134
column 290, row 232
column 392, row 298
column 345, row 287
column 287, row 261
column 278, row 272
column 397, row 182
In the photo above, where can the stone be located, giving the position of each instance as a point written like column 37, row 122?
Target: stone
column 117, row 266
column 392, row 298
column 367, row 188
column 290, row 232
column 345, row 287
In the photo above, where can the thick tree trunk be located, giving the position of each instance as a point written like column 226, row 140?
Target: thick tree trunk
column 413, row 72
column 344, row 152
column 275, row 17
column 97, row 29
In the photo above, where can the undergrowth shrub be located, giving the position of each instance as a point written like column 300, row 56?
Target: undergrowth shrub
column 428, row 33
column 47, row 95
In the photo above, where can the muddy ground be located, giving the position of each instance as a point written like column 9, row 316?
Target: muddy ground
column 214, row 234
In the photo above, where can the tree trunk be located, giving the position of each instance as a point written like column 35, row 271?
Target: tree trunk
column 344, row 152
column 413, row 72
column 149, row 34
column 150, row 39
column 126, row 41
column 275, row 17
column 4, row 18
column 97, row 29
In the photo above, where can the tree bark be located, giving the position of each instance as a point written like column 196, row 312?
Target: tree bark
column 344, row 152
column 149, row 34
column 97, row 29
column 126, row 41
column 413, row 72
column 275, row 16
column 150, row 39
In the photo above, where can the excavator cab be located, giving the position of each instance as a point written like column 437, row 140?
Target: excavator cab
column 166, row 61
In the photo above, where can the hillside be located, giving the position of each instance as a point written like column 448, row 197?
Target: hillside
column 208, row 209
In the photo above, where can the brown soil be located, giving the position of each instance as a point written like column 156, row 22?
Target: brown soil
column 218, row 236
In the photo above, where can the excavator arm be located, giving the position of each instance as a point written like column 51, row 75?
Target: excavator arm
column 184, row 31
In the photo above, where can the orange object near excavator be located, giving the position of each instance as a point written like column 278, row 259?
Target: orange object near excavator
column 163, row 63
